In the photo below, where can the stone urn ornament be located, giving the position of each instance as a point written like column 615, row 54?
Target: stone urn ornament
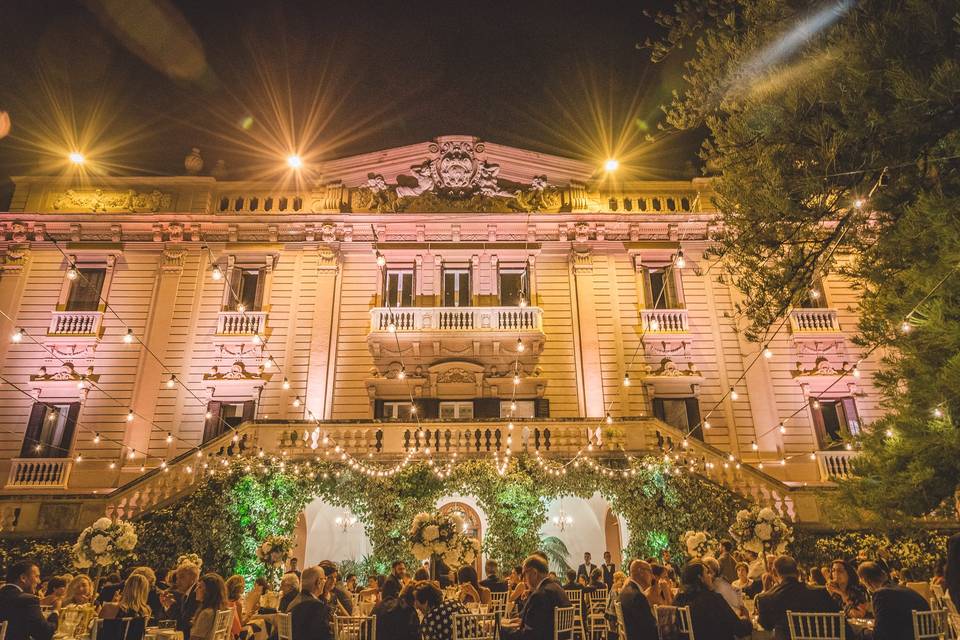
column 219, row 170
column 193, row 163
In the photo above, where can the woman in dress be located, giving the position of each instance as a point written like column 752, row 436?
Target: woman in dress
column 251, row 606
column 711, row 616
column 660, row 591
column 619, row 577
column 470, row 589
column 395, row 613
column 211, row 594
column 743, row 580
column 235, row 586
column 844, row 586
column 437, row 611
column 133, row 600
column 79, row 592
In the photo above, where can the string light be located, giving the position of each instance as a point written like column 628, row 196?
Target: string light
column 72, row 272
column 169, row 437
column 392, row 326
column 855, row 371
column 286, row 384
column 654, row 324
column 128, row 338
column 707, row 425
column 516, row 379
column 626, row 379
column 96, row 438
column 17, row 335
column 216, row 273
column 733, row 394
column 130, row 415
column 381, row 260
column 401, row 374
column 905, row 327
column 268, row 363
column 937, row 412
column 172, row 381
column 783, row 428
column 256, row 339
column 815, row 294
column 241, row 308
column 208, row 415
column 754, row 445
column 520, row 347
column 767, row 353
column 79, row 457
column 609, row 418
column 679, row 261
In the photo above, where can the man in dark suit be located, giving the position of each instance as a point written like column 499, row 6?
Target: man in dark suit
column 20, row 607
column 493, row 580
column 793, row 595
column 181, row 604
column 608, row 569
column 398, row 571
column 310, row 613
column 893, row 605
column 728, row 565
column 638, row 620
column 536, row 620
column 586, row 569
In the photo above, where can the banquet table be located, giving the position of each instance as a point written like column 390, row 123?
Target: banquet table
column 156, row 633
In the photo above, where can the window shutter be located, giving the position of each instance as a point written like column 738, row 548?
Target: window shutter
column 818, row 423
column 693, row 417
column 258, row 298
column 32, row 434
column 659, row 412
column 211, row 426
column 647, row 288
column 541, row 407
column 671, row 283
column 378, row 409
column 428, row 407
column 71, row 425
column 486, row 408
column 249, row 410
column 853, row 418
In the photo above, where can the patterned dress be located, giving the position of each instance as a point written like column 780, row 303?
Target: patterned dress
column 438, row 623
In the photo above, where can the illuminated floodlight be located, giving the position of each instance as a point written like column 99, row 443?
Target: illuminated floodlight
column 611, row 165
column 294, row 161
column 76, row 157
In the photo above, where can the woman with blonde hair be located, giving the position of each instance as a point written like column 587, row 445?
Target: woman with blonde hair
column 79, row 591
column 133, row 600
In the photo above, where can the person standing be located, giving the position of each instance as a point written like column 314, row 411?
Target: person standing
column 728, row 564
column 608, row 568
column 586, row 569
column 20, row 607
column 292, row 567
column 638, row 620
column 893, row 605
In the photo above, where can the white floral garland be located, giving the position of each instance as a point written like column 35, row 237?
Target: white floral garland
column 105, row 543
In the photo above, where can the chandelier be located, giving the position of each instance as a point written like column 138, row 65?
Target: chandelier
column 345, row 522
column 562, row 520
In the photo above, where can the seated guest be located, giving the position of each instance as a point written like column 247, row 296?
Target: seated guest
column 109, row 588
column 660, row 591
column 20, row 607
column 398, row 574
column 153, row 596
column 844, row 586
column 493, row 582
column 638, row 620
column 742, row 582
column 613, row 595
column 733, row 597
column 181, row 605
column 421, row 574
column 395, row 613
column 310, row 615
column 56, row 590
column 536, row 618
column 289, row 590
column 133, row 600
column 893, row 605
column 470, row 589
column 251, row 604
column 341, row 600
column 518, row 591
column 437, row 611
column 817, row 578
column 292, row 567
column 571, row 584
column 235, row 586
column 711, row 617
column 596, row 581
column 79, row 592
column 790, row 594
column 211, row 596
column 350, row 583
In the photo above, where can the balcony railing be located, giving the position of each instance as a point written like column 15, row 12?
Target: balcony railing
column 664, row 320
column 75, row 323
column 407, row 319
column 39, row 473
column 814, row 321
column 241, row 323
column 835, row 464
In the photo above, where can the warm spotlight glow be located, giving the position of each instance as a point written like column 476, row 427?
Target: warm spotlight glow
column 294, row 161
column 216, row 274
column 76, row 157
column 611, row 164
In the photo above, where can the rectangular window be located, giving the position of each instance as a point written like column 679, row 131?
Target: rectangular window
column 50, row 430
column 834, row 420
column 226, row 416
column 816, row 297
column 247, row 289
column 85, row 290
column 396, row 410
column 399, row 288
column 682, row 413
column 456, row 410
column 456, row 288
column 513, row 287
column 525, row 409
column 661, row 288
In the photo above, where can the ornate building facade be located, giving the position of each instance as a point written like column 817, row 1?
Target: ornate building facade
column 456, row 295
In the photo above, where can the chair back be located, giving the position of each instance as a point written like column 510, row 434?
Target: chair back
column 929, row 625
column 3, row 630
column 119, row 629
column 284, row 626
column 475, row 626
column 222, row 623
column 573, row 595
column 563, row 623
column 816, row 626
column 355, row 627
column 598, row 595
column 954, row 620
column 673, row 622
column 923, row 588
column 621, row 626
column 74, row 621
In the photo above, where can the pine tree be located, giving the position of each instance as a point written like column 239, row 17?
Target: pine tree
column 834, row 133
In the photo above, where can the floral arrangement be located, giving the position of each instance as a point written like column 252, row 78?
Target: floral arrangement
column 441, row 534
column 761, row 531
column 698, row 544
column 275, row 550
column 104, row 544
column 189, row 558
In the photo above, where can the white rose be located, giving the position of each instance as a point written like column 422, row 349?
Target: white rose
column 753, row 545
column 743, row 515
column 767, row 514
column 102, row 523
column 430, row 533
column 764, row 531
column 98, row 543
column 105, row 560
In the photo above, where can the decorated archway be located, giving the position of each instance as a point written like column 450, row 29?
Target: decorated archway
column 472, row 525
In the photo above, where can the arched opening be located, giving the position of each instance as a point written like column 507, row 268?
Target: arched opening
column 326, row 532
column 613, row 537
column 472, row 525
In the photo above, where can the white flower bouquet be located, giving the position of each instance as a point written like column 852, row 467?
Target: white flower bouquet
column 105, row 544
column 698, row 544
column 761, row 531
column 441, row 535
column 274, row 551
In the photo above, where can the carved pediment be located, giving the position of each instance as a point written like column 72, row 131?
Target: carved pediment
column 96, row 200
column 236, row 371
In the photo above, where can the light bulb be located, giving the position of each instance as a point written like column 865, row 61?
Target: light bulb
column 294, row 161
column 17, row 335
column 783, row 462
column 208, row 415
column 609, row 419
column 130, row 454
column 654, row 325
column 169, row 437
column 256, row 339
column 37, row 447
column 72, row 272
column 79, row 457
column 76, row 157
column 611, row 164
column 813, row 455
column 413, row 409
column 520, row 346
column 216, row 273
column 96, row 438
column 172, row 381
column 381, row 260
column 286, row 383
column 268, row 364
column 733, row 394
column 856, row 371
column 130, row 416
column 816, row 404
column 128, row 338
column 889, row 433
column 523, row 300
column 626, row 379
column 112, row 465
column 513, row 405
column 392, row 327
column 905, row 327
column 679, row 261
column 937, row 412
column 296, row 401
column 815, row 294
column 707, row 425
column 516, row 379
column 767, row 353
column 858, row 203
column 754, row 446
column 401, row 374
column 783, row 428
column 241, row 307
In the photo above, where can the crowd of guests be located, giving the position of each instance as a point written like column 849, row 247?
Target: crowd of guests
column 422, row 606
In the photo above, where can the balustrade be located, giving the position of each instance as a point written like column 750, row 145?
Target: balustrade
column 405, row 319
column 814, row 321
column 835, row 464
column 664, row 320
column 231, row 323
column 39, row 473
column 75, row 323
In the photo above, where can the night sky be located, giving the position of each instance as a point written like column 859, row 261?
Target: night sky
column 559, row 76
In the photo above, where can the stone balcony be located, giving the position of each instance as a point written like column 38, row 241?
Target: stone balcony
column 39, row 473
column 664, row 321
column 241, row 323
column 426, row 334
column 72, row 325
column 814, row 322
column 835, row 465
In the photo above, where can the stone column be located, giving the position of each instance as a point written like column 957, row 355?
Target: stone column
column 591, row 382
column 323, row 343
column 13, row 279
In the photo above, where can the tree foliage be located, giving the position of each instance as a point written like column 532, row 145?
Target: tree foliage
column 810, row 109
